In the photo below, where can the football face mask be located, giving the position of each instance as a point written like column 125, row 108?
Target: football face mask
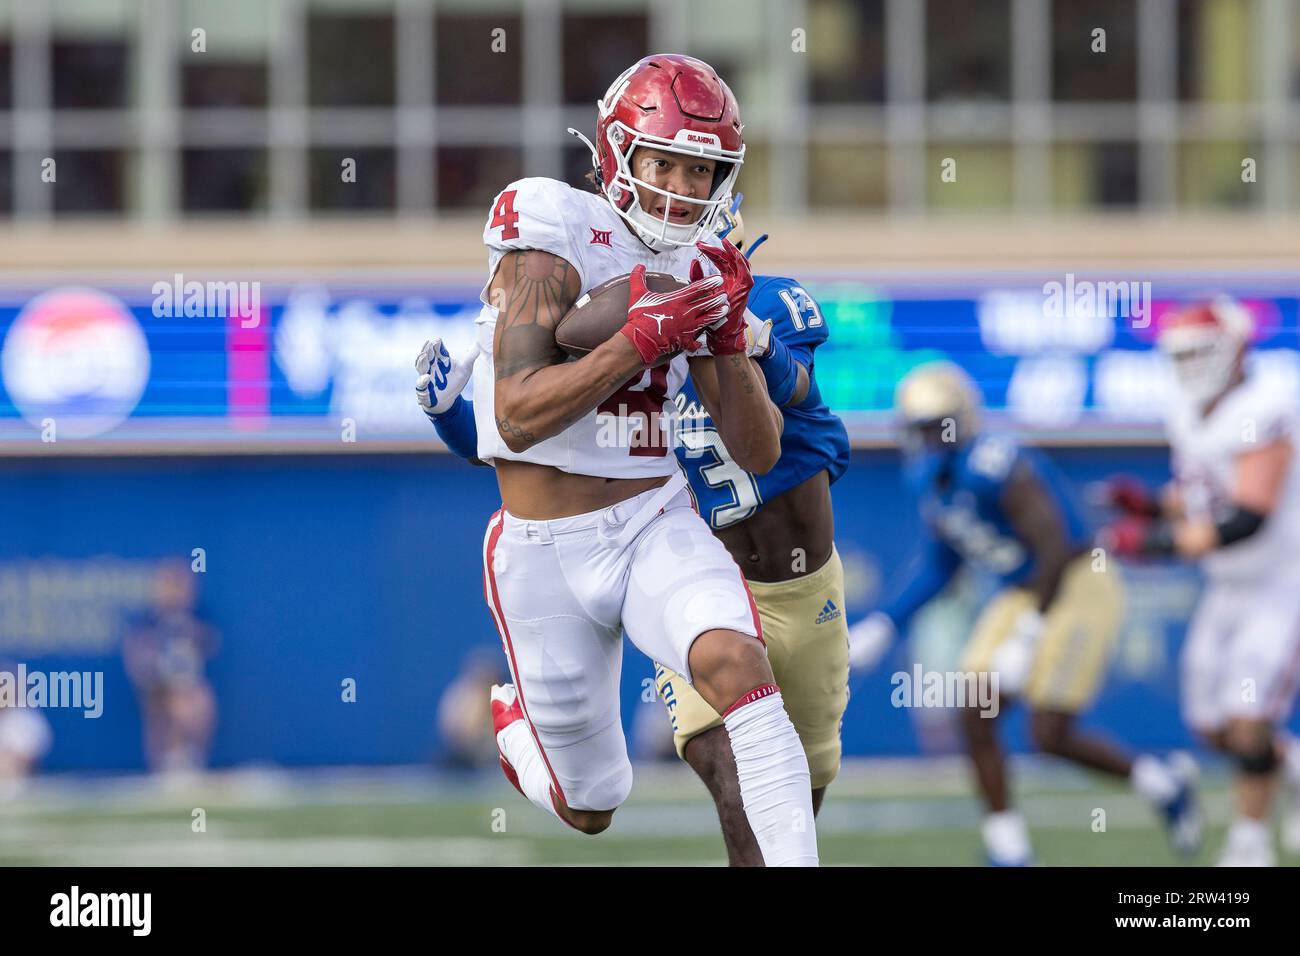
column 661, row 231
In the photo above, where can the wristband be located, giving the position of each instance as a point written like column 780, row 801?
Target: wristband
column 1242, row 523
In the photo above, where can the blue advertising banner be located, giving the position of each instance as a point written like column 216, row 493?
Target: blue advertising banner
column 190, row 359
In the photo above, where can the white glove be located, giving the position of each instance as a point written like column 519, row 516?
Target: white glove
column 869, row 639
column 758, row 338
column 442, row 377
column 1014, row 658
column 758, row 335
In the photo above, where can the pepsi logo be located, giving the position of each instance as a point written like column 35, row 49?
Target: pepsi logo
column 78, row 356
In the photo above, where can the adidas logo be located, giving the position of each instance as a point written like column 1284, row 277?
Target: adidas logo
column 829, row 613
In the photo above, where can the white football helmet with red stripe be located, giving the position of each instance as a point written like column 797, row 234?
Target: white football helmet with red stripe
column 1206, row 342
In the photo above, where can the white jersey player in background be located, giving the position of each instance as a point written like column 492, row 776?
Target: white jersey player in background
column 598, row 534
column 1234, row 506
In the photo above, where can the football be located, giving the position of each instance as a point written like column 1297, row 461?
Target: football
column 601, row 312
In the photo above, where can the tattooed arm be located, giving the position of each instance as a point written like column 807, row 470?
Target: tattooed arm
column 538, row 392
column 734, row 393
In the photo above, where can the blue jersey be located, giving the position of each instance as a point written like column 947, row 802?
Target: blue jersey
column 966, row 511
column 961, row 505
column 814, row 439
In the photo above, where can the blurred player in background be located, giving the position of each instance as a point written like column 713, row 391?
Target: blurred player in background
column 25, row 738
column 1234, row 507
column 598, row 537
column 166, row 651
column 1047, row 635
column 465, row 714
column 780, row 529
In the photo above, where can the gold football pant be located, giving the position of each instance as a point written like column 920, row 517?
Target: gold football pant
column 1079, row 632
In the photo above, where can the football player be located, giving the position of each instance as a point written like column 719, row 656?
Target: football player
column 1046, row 636
column 597, row 537
column 1233, row 507
column 778, row 527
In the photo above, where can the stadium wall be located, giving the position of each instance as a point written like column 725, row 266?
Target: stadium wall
column 321, row 569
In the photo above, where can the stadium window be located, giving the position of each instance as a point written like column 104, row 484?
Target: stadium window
column 1088, row 175
column 232, row 71
column 372, row 189
column 6, row 182
column 1209, row 173
column 1079, row 72
column 351, row 59
column 89, row 73
column 229, row 84
column 90, row 181
column 846, row 51
column 597, row 48
column 470, row 176
column 983, row 180
column 467, row 71
column 1216, row 60
column 223, row 180
column 968, row 49
column 845, row 176
column 6, row 88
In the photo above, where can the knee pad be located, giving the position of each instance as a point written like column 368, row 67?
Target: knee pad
column 1258, row 762
column 605, row 789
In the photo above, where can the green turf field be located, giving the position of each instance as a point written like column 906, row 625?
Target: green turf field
column 878, row 813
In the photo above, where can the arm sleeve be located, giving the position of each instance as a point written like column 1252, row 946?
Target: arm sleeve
column 781, row 371
column 798, row 327
column 931, row 573
column 456, row 428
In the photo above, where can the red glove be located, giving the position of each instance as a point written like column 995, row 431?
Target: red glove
column 1127, row 537
column 660, row 323
column 728, row 338
column 1130, row 496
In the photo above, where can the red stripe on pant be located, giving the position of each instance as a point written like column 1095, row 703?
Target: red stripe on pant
column 494, row 602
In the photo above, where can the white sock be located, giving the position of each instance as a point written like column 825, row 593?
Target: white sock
column 775, row 785
column 1250, row 838
column 1006, row 837
column 1153, row 779
column 521, row 750
column 1246, row 831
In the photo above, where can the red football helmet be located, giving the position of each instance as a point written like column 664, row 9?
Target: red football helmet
column 1205, row 341
column 680, row 105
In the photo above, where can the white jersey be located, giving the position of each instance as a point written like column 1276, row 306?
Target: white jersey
column 632, row 433
column 1205, row 451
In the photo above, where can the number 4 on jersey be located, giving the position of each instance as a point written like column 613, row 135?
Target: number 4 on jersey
column 504, row 215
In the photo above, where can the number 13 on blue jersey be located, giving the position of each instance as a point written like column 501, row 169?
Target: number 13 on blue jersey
column 722, row 474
